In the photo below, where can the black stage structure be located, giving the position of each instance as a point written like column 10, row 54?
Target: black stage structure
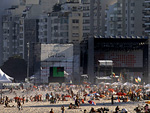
column 129, row 56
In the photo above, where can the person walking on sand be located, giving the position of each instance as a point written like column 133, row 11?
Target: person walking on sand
column 112, row 99
column 19, row 105
column 63, row 109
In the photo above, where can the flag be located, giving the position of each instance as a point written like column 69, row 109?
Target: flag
column 120, row 75
column 136, row 80
column 139, row 79
column 113, row 74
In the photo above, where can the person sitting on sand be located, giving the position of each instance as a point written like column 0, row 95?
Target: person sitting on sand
column 51, row 111
column 6, row 103
column 92, row 110
column 117, row 109
column 146, row 108
column 70, row 106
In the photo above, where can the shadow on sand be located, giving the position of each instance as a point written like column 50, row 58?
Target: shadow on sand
column 86, row 104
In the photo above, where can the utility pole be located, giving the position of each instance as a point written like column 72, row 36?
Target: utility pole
column 28, row 46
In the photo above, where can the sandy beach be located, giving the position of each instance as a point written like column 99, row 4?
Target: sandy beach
column 45, row 106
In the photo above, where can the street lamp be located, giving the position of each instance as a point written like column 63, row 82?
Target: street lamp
column 28, row 46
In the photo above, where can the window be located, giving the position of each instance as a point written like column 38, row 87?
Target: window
column 56, row 21
column 86, row 14
column 87, row 21
column 111, row 18
column 55, row 27
column 132, row 32
column 132, row 11
column 133, row 4
column 85, row 8
column 132, row 18
column 132, row 25
column 86, row 28
column 119, row 25
column 119, row 18
column 75, row 27
column 75, row 21
column 75, row 34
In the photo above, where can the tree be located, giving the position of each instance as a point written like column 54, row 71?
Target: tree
column 57, row 7
column 15, row 67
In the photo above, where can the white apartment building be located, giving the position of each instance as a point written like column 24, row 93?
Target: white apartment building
column 124, row 18
column 58, row 27
column 62, row 26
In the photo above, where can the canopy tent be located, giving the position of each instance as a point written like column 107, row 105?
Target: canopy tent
column 2, row 73
column 103, row 78
column 5, row 79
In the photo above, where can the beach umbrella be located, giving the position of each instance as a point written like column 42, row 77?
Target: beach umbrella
column 67, row 88
column 91, row 102
column 22, row 99
column 101, row 96
column 138, row 90
column 87, row 87
column 68, row 96
column 90, row 95
column 148, row 102
column 16, row 98
column 72, row 86
column 146, row 86
column 34, row 87
column 85, row 94
column 128, row 84
column 121, row 94
column 94, row 92
column 116, row 83
column 148, row 90
column 97, row 94
column 111, row 90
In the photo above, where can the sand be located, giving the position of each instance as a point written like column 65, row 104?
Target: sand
column 45, row 107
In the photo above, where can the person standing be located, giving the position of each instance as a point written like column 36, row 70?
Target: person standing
column 112, row 99
column 63, row 109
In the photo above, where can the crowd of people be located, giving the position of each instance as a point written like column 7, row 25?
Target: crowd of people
column 81, row 94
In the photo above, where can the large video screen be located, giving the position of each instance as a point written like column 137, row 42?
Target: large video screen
column 57, row 71
column 132, row 58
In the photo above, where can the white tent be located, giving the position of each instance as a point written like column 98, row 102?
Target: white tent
column 2, row 73
column 5, row 79
column 103, row 78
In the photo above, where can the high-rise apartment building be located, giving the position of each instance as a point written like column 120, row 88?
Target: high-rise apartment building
column 146, row 17
column 21, row 22
column 124, row 18
column 10, row 32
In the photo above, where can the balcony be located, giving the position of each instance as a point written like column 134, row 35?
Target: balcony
column 147, row 23
column 147, row 31
column 147, row 16
column 147, row 1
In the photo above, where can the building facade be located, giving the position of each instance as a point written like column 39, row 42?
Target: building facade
column 125, row 18
column 146, row 17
